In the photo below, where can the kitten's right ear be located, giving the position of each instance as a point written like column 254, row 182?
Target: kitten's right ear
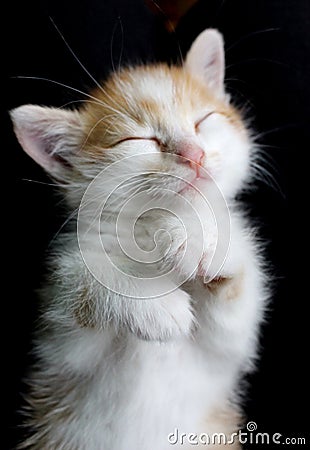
column 48, row 135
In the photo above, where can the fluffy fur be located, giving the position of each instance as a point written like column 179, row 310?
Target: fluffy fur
column 115, row 372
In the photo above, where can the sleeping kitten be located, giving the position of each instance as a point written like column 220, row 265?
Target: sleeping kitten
column 152, row 309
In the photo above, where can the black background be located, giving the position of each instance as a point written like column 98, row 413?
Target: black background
column 268, row 70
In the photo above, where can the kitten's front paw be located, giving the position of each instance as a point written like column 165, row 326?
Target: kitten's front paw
column 183, row 255
column 186, row 251
column 164, row 318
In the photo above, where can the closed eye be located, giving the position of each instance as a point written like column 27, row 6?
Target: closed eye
column 137, row 138
column 206, row 116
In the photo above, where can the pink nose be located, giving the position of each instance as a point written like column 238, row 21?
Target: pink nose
column 192, row 154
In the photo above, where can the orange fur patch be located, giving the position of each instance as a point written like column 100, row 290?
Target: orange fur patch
column 226, row 420
column 123, row 105
column 231, row 287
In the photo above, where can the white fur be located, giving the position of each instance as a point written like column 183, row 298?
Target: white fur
column 139, row 368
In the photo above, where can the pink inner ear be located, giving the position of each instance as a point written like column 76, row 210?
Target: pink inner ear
column 48, row 135
column 36, row 147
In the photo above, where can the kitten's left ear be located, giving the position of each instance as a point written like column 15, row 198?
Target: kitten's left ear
column 206, row 59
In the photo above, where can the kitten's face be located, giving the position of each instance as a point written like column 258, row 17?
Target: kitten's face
column 179, row 117
column 164, row 111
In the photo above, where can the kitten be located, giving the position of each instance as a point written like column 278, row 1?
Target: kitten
column 153, row 305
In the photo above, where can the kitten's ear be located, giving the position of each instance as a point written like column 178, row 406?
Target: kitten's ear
column 206, row 59
column 48, row 135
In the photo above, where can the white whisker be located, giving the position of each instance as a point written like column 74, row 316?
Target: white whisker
column 68, row 219
column 58, row 83
column 79, row 101
column 247, row 36
column 264, row 175
column 272, row 130
column 74, row 55
column 122, row 45
column 93, row 128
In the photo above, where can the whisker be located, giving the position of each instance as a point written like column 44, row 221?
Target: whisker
column 56, row 184
column 111, row 44
column 122, row 44
column 237, row 79
column 58, row 83
column 39, row 182
column 71, row 217
column 263, row 146
column 108, row 213
column 93, row 128
column 120, row 109
column 254, row 33
column 99, row 212
column 273, row 130
column 266, row 154
column 264, row 175
column 112, row 124
column 250, row 60
column 267, row 161
column 240, row 94
column 82, row 65
column 79, row 101
column 74, row 54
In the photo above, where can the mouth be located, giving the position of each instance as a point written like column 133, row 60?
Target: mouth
column 185, row 177
column 198, row 175
column 199, row 170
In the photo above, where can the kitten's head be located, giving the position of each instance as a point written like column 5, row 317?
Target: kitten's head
column 178, row 118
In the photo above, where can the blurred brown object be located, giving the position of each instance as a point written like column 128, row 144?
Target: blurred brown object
column 171, row 11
